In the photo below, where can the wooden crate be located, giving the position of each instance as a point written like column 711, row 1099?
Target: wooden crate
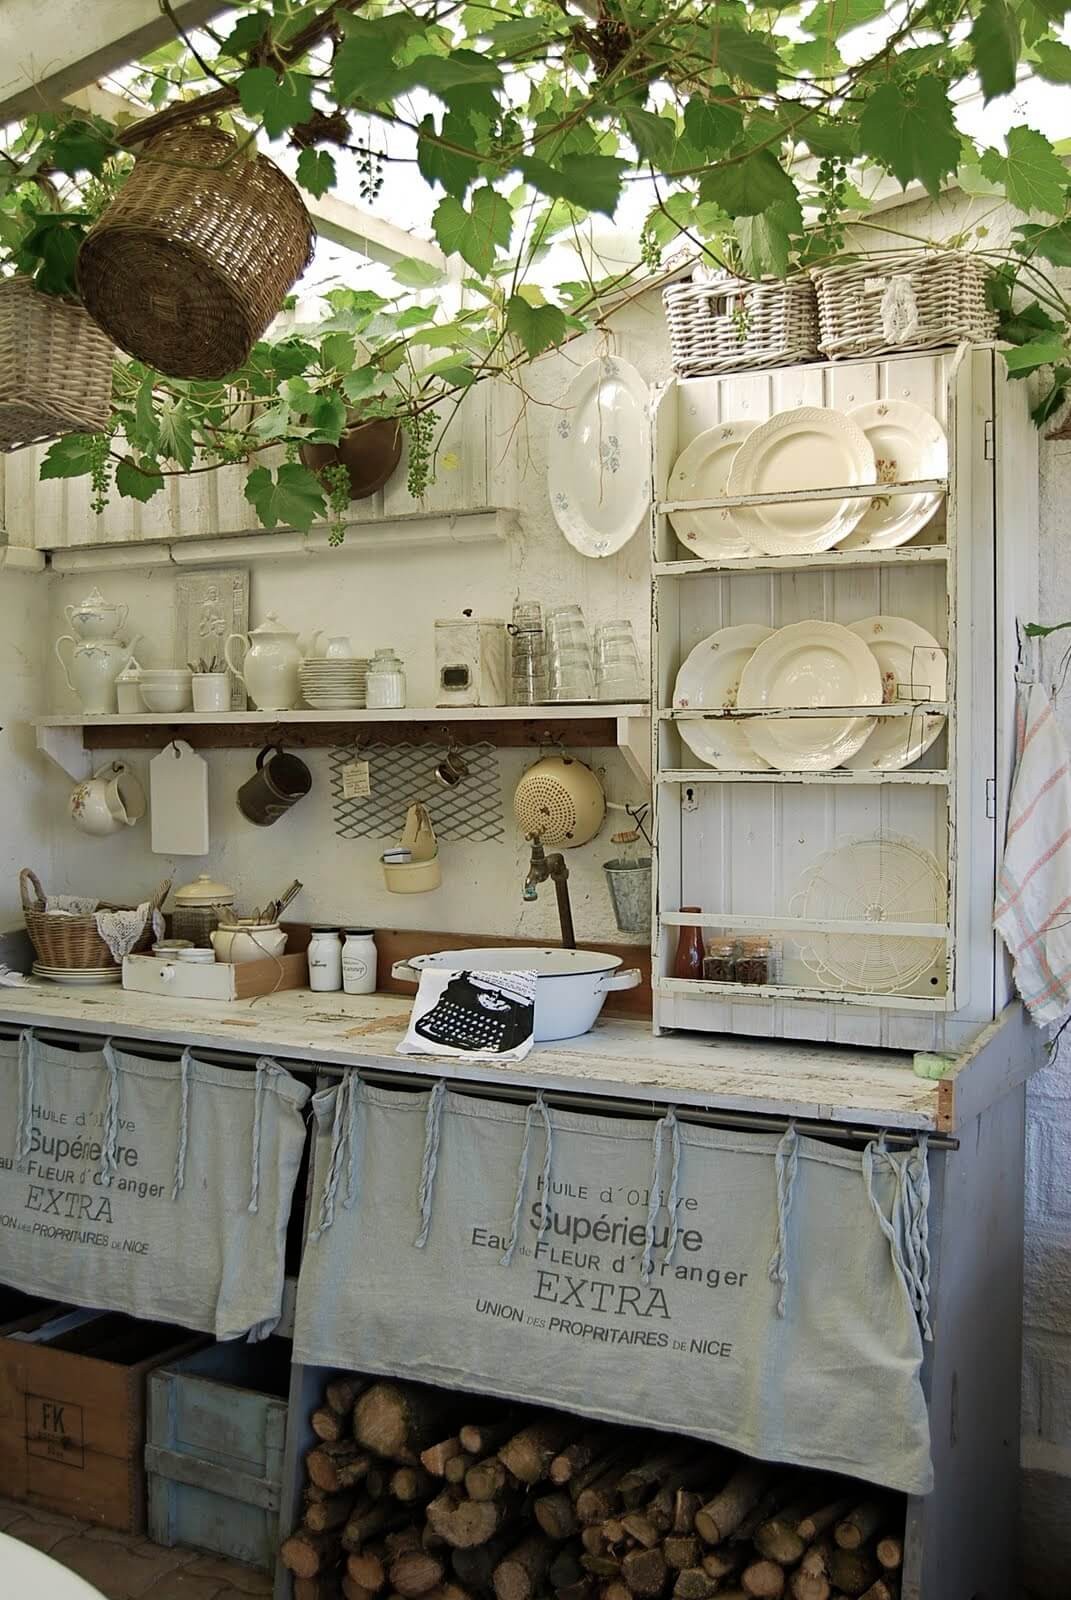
column 214, row 1456
column 72, row 1414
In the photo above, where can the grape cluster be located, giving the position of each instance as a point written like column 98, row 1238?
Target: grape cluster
column 100, row 469
column 336, row 481
column 370, row 167
column 650, row 251
column 832, row 192
column 420, row 428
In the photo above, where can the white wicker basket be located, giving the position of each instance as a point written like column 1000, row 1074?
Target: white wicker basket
column 888, row 303
column 729, row 325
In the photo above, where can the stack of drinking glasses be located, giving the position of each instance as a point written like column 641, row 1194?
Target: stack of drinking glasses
column 569, row 657
column 617, row 663
column 528, row 655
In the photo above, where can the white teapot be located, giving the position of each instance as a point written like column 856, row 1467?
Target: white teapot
column 271, row 665
column 92, row 668
column 110, row 800
column 96, row 618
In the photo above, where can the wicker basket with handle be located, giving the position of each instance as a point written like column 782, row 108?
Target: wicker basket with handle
column 885, row 304
column 55, row 368
column 73, row 942
column 196, row 253
column 729, row 325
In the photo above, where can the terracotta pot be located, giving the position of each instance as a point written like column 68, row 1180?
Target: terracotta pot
column 370, row 452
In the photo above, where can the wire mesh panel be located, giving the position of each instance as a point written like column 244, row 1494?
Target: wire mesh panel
column 401, row 775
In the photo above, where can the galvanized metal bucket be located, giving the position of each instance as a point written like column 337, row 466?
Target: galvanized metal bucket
column 630, row 892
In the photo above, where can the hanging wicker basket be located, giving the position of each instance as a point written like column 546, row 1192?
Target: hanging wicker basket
column 55, row 368
column 196, row 253
column 727, row 324
column 885, row 304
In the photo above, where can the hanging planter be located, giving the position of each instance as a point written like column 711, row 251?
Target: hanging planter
column 196, row 253
column 370, row 452
column 55, row 368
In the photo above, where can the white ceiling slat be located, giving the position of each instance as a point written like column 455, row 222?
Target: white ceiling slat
column 49, row 50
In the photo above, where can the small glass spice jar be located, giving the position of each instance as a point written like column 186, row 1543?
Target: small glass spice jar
column 758, row 959
column 719, row 963
column 386, row 682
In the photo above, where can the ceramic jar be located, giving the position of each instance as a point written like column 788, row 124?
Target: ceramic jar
column 128, row 690
column 386, row 682
column 96, row 618
column 245, row 941
column 200, row 907
column 271, row 665
column 91, row 669
column 325, row 960
column 111, row 800
column 359, row 958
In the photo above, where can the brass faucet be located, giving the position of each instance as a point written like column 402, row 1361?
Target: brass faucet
column 540, row 868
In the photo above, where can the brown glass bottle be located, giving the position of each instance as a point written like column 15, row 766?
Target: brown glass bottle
column 688, row 962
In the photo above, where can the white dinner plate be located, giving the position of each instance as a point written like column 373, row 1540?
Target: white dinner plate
column 913, row 667
column 598, row 457
column 873, row 880
column 810, row 664
column 710, row 679
column 701, row 472
column 808, row 448
column 908, row 443
column 81, row 978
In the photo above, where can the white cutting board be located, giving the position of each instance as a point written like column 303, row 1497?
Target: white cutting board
column 178, row 801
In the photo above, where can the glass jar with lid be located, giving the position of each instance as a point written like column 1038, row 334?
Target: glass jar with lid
column 200, row 907
column 386, row 682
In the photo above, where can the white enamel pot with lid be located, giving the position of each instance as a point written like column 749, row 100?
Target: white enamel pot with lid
column 571, row 985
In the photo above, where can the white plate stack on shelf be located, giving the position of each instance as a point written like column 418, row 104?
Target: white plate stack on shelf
column 335, row 685
column 810, row 447
column 881, row 660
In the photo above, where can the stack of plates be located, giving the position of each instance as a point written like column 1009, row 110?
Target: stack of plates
column 335, row 685
column 812, row 664
column 79, row 977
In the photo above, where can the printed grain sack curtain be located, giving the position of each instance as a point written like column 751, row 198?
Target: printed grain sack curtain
column 159, row 1188
column 763, row 1293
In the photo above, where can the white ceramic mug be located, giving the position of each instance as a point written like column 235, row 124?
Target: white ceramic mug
column 211, row 691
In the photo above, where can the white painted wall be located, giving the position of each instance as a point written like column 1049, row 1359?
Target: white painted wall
column 24, row 831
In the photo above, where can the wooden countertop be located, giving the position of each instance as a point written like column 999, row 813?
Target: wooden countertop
column 620, row 1059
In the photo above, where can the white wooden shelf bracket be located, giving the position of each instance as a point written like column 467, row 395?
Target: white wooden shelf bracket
column 63, row 747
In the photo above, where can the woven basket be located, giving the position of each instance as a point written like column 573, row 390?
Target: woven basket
column 885, row 304
column 73, row 942
column 55, row 368
column 730, row 325
column 196, row 253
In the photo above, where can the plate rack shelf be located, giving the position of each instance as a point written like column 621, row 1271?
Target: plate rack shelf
column 753, row 848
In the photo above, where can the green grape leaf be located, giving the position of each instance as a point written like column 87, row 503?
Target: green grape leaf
column 69, row 457
column 537, row 327
column 337, row 352
column 1053, row 61
column 316, row 171
column 176, row 432
column 832, row 18
column 744, row 188
column 440, row 74
column 1052, row 243
column 995, row 47
column 364, row 381
column 293, row 497
column 326, row 416
column 1033, row 175
column 711, row 126
column 475, row 234
column 1024, row 358
column 745, row 55
column 138, row 482
column 148, row 434
column 280, row 103
column 80, row 148
column 247, row 31
column 908, row 128
column 765, row 239
column 591, row 182
column 57, row 251
column 413, row 274
column 653, row 136
column 451, row 170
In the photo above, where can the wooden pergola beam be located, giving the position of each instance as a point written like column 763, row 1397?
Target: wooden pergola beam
column 49, row 48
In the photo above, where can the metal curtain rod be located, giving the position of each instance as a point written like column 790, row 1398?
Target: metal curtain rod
column 396, row 1078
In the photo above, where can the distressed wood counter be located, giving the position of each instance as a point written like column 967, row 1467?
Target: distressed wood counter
column 621, row 1060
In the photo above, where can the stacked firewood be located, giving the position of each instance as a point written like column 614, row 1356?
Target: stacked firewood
column 414, row 1493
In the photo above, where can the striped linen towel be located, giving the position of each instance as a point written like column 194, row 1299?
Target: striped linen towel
column 1033, row 909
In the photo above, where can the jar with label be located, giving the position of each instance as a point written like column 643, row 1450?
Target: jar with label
column 359, row 961
column 386, row 682
column 325, row 960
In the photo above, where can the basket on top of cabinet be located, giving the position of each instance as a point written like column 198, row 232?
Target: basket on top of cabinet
column 834, row 687
column 727, row 324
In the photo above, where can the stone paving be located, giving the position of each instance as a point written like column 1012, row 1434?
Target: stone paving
column 125, row 1566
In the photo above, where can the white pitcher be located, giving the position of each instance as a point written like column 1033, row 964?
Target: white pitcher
column 112, row 799
column 92, row 668
column 271, row 665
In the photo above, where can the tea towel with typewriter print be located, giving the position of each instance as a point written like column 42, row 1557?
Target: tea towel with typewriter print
column 1033, row 908
column 724, row 1285
column 477, row 1016
column 158, row 1188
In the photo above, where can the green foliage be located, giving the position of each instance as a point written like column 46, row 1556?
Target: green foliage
column 751, row 143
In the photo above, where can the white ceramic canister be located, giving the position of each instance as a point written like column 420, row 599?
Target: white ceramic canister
column 325, row 959
column 128, row 690
column 386, row 682
column 359, row 956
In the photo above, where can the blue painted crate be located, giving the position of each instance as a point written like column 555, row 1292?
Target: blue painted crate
column 214, row 1456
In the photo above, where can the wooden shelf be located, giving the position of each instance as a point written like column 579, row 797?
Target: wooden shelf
column 904, row 555
column 783, row 497
column 895, row 708
column 67, row 739
column 937, row 777
column 701, row 988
